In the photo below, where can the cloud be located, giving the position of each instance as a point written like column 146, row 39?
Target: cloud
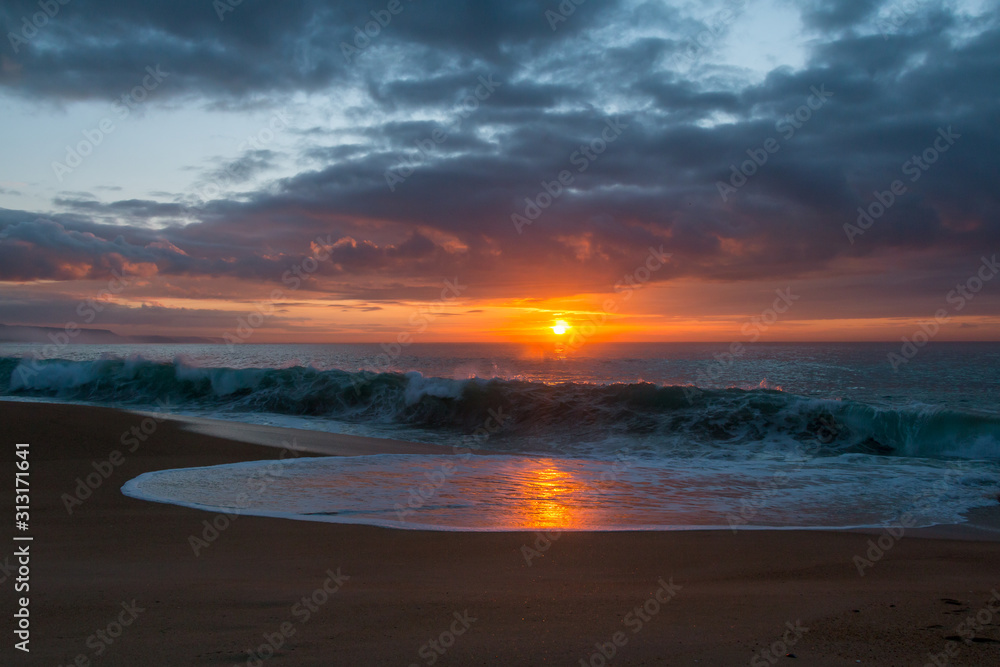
column 251, row 164
column 684, row 130
column 826, row 15
column 70, row 250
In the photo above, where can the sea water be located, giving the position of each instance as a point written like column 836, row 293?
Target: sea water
column 626, row 436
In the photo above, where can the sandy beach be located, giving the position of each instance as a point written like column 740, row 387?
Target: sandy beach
column 118, row 581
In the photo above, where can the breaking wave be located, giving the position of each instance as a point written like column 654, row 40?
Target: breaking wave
column 675, row 420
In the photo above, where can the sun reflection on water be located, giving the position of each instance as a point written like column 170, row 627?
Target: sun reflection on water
column 500, row 492
column 549, row 491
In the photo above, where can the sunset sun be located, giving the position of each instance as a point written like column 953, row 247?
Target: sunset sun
column 560, row 327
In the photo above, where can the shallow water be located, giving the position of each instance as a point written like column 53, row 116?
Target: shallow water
column 534, row 493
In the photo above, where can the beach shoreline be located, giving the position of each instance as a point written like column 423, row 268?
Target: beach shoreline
column 211, row 587
column 982, row 523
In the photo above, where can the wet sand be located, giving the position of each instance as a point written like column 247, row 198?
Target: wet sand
column 118, row 582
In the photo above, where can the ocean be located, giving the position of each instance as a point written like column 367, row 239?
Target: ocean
column 611, row 437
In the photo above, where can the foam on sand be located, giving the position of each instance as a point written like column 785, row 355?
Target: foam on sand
column 499, row 493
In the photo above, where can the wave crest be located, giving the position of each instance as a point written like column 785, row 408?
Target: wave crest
column 665, row 419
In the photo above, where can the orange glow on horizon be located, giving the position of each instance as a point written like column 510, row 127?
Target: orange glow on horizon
column 683, row 312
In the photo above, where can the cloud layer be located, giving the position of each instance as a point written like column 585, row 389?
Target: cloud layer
column 461, row 118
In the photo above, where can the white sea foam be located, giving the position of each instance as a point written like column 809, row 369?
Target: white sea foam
column 499, row 493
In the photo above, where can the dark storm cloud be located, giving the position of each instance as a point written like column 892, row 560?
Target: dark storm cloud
column 836, row 14
column 95, row 48
column 656, row 184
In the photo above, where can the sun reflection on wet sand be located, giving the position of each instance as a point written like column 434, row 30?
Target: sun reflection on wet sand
column 547, row 489
column 496, row 493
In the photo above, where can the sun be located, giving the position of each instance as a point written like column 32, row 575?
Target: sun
column 560, row 327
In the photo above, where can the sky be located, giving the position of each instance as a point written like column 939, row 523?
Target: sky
column 306, row 171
